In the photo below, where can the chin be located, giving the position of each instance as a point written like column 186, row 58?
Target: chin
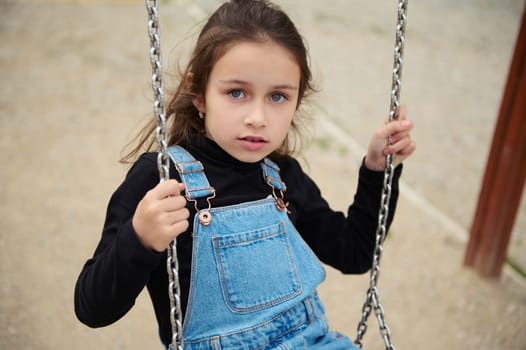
column 250, row 158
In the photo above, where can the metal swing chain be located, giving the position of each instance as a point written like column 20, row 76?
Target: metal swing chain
column 163, row 164
column 372, row 301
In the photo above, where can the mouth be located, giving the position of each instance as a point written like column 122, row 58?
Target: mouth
column 253, row 143
column 254, row 139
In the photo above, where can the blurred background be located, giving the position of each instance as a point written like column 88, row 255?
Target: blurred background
column 75, row 88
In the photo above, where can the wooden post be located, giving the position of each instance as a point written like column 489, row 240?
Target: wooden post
column 505, row 173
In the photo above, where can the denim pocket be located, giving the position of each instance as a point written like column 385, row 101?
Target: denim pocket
column 256, row 268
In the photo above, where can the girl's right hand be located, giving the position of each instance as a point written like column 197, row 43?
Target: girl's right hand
column 161, row 215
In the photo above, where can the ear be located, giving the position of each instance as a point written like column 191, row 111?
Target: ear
column 199, row 104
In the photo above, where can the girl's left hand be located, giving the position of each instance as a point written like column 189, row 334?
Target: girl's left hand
column 401, row 145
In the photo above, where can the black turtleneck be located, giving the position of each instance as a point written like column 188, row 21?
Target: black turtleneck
column 121, row 266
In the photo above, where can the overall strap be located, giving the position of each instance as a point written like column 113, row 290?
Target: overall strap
column 191, row 172
column 271, row 175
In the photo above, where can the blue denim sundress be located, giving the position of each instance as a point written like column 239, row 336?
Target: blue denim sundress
column 253, row 278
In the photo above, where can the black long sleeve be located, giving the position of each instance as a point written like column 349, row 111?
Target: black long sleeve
column 346, row 242
column 121, row 266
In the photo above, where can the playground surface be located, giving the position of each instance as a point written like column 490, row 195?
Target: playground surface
column 75, row 89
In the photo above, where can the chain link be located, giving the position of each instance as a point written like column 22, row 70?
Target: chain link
column 372, row 301
column 163, row 164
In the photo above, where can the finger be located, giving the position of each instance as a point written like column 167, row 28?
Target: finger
column 402, row 112
column 170, row 232
column 395, row 127
column 181, row 215
column 166, row 189
column 398, row 146
column 405, row 151
column 173, row 217
column 399, row 136
column 168, row 219
column 179, row 227
column 172, row 203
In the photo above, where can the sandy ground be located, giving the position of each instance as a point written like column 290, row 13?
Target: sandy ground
column 75, row 88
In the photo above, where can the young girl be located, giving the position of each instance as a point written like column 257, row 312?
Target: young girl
column 251, row 226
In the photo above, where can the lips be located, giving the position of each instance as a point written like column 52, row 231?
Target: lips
column 253, row 143
column 255, row 139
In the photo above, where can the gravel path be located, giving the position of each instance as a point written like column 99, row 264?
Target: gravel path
column 75, row 88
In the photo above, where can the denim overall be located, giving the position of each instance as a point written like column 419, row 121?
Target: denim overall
column 253, row 279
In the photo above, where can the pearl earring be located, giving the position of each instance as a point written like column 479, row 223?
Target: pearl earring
column 201, row 115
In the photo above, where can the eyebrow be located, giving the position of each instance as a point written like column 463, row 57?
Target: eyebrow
column 242, row 82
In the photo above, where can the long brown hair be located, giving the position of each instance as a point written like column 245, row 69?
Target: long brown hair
column 233, row 22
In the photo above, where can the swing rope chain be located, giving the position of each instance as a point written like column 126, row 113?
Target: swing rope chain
column 163, row 164
column 372, row 301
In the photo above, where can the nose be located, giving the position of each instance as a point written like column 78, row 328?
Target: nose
column 256, row 116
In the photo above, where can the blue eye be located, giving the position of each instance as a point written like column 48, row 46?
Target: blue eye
column 277, row 98
column 237, row 94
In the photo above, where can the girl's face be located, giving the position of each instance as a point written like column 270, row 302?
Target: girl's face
column 250, row 100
